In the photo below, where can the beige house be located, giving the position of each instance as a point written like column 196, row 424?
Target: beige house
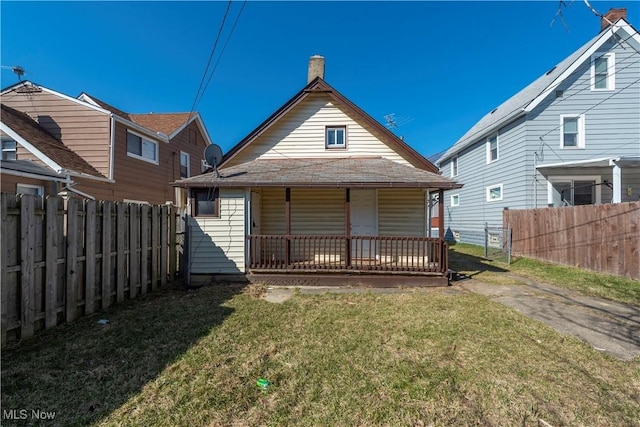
column 319, row 186
column 132, row 157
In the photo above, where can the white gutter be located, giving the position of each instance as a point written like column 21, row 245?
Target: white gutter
column 32, row 175
column 67, row 186
column 112, row 143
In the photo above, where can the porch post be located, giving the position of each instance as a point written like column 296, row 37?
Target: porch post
column 347, row 225
column 443, row 268
column 617, row 183
column 287, row 226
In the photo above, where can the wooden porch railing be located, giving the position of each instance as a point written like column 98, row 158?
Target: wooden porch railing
column 347, row 253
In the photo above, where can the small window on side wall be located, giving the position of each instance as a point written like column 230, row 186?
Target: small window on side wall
column 603, row 72
column 572, row 131
column 336, row 137
column 185, row 165
column 207, row 202
column 494, row 193
column 455, row 200
column 454, row 166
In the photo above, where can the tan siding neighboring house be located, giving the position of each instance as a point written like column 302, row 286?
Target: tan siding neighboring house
column 83, row 129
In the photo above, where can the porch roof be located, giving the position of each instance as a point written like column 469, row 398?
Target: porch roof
column 350, row 172
column 622, row 161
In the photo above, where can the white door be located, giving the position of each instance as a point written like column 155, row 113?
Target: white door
column 364, row 222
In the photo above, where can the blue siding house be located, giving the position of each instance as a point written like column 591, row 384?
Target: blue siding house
column 572, row 137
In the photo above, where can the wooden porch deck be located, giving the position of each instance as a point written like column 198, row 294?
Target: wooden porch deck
column 347, row 254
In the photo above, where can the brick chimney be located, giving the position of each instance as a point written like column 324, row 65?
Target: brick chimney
column 316, row 68
column 612, row 15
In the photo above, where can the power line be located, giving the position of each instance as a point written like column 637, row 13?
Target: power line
column 213, row 50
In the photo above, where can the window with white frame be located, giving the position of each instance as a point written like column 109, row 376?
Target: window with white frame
column 455, row 200
column 9, row 150
column 492, row 148
column 185, row 165
column 571, row 131
column 36, row 190
column 454, row 166
column 574, row 190
column 494, row 193
column 335, row 137
column 142, row 148
column 603, row 72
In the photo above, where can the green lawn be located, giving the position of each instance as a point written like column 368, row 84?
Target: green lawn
column 468, row 259
column 429, row 357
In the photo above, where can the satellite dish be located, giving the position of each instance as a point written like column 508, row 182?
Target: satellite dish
column 213, row 156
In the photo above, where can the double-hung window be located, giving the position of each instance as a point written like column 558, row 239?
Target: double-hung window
column 454, row 166
column 142, row 148
column 335, row 137
column 572, row 131
column 603, row 72
column 185, row 168
column 492, row 148
column 9, row 150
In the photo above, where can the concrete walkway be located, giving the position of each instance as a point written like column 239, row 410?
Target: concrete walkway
column 608, row 326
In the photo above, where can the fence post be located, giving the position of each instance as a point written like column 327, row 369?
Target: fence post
column 4, row 298
column 509, row 244
column 164, row 231
column 90, row 256
column 72, row 259
column 486, row 239
column 173, row 246
column 27, row 264
column 120, row 276
column 134, row 260
column 144, row 249
column 106, row 253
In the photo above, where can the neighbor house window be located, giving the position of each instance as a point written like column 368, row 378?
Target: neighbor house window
column 185, row 168
column 142, row 148
column 454, row 166
column 571, row 131
column 494, row 193
column 455, row 200
column 492, row 148
column 207, row 202
column 335, row 137
column 36, row 190
column 9, row 150
column 574, row 191
column 603, row 72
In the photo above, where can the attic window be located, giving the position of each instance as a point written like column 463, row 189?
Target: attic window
column 9, row 150
column 335, row 137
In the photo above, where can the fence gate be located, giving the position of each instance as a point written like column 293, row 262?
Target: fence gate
column 497, row 243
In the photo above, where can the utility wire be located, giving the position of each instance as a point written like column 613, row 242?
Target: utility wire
column 213, row 50
column 224, row 47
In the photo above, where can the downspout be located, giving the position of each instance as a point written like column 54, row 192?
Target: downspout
column 112, row 141
column 67, row 186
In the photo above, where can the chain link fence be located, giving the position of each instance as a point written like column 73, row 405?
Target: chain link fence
column 497, row 243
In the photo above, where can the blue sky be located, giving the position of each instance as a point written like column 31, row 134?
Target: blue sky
column 440, row 65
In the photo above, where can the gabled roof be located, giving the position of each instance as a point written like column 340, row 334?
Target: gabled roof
column 169, row 124
column 318, row 85
column 348, row 172
column 531, row 96
column 30, row 134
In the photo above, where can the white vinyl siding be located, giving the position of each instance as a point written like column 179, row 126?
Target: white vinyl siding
column 301, row 134
column 401, row 212
column 217, row 245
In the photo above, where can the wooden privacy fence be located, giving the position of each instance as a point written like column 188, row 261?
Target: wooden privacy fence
column 603, row 238
column 59, row 264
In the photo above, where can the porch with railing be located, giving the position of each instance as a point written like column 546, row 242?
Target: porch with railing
column 371, row 254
